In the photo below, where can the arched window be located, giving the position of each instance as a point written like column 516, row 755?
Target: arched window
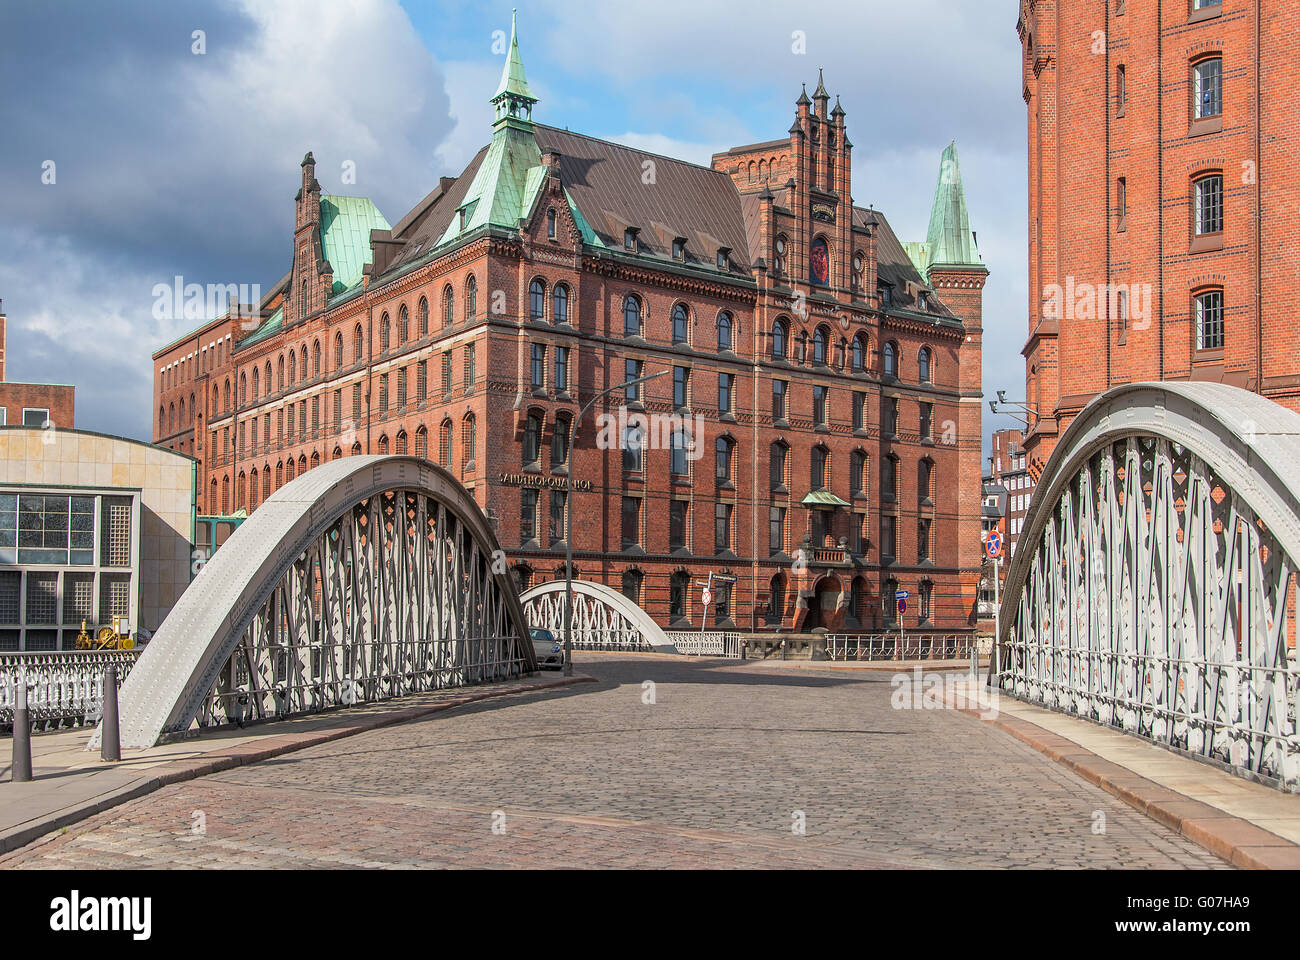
column 678, row 589
column 532, row 451
column 226, row 394
column 859, row 353
column 536, row 300
column 400, row 446
column 923, row 365
column 403, row 325
column 243, row 389
column 468, row 440
column 820, row 464
column 257, row 386
column 550, row 224
column 925, row 482
column 819, row 262
column 523, row 575
column 293, row 367
column 776, row 601
column 560, row 442
column 383, row 443
column 444, row 444
column 631, row 316
column 290, row 470
column 471, row 298
column 385, row 332
column 279, row 377
column 724, row 331
column 560, row 304
column 279, row 475
column 315, row 358
column 338, row 351
column 891, row 359
column 820, row 337
column 337, row 454
column 681, row 323
column 631, row 587
column 722, row 459
column 162, row 421
column 358, row 344
column 422, row 314
column 780, row 337
column 448, row 306
column 422, row 442
column 777, row 465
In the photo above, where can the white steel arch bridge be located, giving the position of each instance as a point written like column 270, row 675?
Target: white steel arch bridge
column 366, row 578
column 1154, row 585
column 603, row 618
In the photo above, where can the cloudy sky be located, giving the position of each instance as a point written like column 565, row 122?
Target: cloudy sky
column 133, row 151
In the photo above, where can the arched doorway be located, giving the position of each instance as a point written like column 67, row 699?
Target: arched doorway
column 824, row 608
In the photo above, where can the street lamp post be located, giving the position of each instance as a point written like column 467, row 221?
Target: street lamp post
column 568, row 517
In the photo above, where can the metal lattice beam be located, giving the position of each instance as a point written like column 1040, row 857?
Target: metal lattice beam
column 603, row 619
column 1154, row 586
column 366, row 578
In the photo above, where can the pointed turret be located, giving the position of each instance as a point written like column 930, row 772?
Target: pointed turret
column 514, row 99
column 950, row 241
column 820, row 97
column 512, row 169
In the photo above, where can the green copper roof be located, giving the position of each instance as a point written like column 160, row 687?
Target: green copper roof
column 345, row 225
column 589, row 236
column 949, row 240
column 270, row 326
column 822, row 498
column 511, row 173
column 512, row 75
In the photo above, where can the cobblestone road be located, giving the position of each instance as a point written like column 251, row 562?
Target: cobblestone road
column 710, row 775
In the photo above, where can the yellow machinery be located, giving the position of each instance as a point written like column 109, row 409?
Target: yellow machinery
column 108, row 638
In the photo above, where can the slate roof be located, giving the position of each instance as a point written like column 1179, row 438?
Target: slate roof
column 605, row 182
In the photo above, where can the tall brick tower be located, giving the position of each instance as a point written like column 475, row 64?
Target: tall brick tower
column 1164, row 199
column 950, row 261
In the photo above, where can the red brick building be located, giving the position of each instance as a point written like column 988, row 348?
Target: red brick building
column 1164, row 199
column 815, row 433
column 33, row 404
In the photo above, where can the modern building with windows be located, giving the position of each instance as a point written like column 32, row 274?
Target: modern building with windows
column 812, row 428
column 92, row 528
column 1163, row 186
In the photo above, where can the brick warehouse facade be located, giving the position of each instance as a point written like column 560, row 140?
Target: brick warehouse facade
column 1162, row 169
column 824, row 377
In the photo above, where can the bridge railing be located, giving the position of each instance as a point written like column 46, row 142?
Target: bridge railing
column 890, row 646
column 707, row 644
column 63, row 688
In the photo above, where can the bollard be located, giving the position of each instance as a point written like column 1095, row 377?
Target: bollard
column 110, row 743
column 22, row 765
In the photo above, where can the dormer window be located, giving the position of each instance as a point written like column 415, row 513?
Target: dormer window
column 629, row 239
column 922, row 301
column 885, row 292
column 722, row 257
column 679, row 248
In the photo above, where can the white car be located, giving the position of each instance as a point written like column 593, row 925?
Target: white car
column 550, row 652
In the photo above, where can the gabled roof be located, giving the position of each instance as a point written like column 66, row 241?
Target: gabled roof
column 608, row 184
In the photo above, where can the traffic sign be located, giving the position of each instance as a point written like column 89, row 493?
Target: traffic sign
column 901, row 594
column 902, row 606
column 993, row 544
column 705, row 596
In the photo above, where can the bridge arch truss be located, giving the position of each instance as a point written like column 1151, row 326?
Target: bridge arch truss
column 603, row 618
column 1154, row 585
column 366, row 578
